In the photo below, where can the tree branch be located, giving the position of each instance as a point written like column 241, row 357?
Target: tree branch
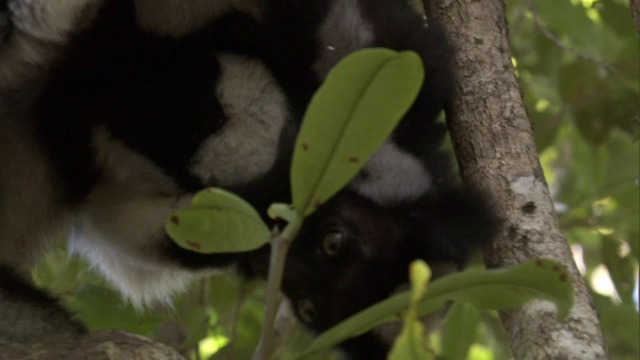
column 104, row 345
column 493, row 140
column 559, row 43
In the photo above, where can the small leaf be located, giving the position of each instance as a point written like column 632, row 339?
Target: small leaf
column 282, row 211
column 217, row 222
column 212, row 197
column 361, row 101
column 419, row 273
column 490, row 289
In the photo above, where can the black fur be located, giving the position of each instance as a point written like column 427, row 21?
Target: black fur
column 380, row 243
column 142, row 86
column 5, row 23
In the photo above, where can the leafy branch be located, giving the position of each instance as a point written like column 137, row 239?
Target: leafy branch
column 354, row 111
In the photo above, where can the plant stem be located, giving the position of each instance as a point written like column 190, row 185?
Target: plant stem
column 279, row 248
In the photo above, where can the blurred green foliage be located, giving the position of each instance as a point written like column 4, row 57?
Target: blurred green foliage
column 579, row 68
column 578, row 62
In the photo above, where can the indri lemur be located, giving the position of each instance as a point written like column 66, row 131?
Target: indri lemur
column 114, row 112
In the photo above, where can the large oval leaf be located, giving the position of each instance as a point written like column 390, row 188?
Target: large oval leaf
column 361, row 101
column 217, row 222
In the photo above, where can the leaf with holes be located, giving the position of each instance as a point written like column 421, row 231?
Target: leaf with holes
column 489, row 289
column 353, row 112
column 217, row 221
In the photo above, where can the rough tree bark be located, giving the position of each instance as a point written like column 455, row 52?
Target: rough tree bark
column 634, row 6
column 493, row 140
column 103, row 345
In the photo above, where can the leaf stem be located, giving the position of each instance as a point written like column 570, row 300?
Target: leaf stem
column 279, row 249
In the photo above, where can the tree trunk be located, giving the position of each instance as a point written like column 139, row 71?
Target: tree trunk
column 493, row 140
column 634, row 5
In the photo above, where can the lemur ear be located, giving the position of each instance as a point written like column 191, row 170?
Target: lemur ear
column 343, row 31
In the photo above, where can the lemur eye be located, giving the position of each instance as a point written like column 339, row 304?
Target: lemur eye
column 333, row 243
column 307, row 310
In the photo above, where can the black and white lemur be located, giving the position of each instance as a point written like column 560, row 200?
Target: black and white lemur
column 114, row 112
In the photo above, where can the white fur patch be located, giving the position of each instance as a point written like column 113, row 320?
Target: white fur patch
column 120, row 232
column 343, row 32
column 392, row 175
column 140, row 283
column 23, row 59
column 42, row 30
column 256, row 111
column 120, row 228
column 180, row 17
column 50, row 20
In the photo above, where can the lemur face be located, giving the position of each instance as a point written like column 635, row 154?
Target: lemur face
column 349, row 256
column 353, row 252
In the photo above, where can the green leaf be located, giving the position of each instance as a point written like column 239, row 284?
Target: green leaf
column 506, row 288
column 217, row 222
column 58, row 271
column 620, row 327
column 361, row 101
column 459, row 332
column 622, row 268
column 282, row 211
column 94, row 305
column 490, row 289
column 419, row 274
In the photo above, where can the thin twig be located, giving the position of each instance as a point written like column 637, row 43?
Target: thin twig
column 279, row 249
column 554, row 39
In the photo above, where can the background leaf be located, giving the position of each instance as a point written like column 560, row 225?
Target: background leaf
column 91, row 300
column 460, row 327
